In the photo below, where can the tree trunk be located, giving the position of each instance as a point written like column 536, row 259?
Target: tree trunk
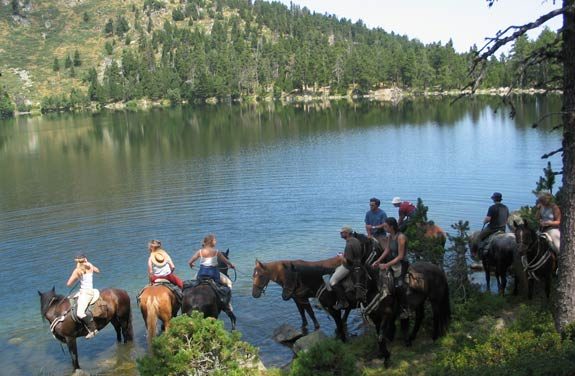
column 565, row 310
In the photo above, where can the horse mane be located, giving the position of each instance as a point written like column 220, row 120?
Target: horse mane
column 311, row 270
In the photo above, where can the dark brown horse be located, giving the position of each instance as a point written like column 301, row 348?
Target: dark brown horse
column 379, row 308
column 537, row 258
column 115, row 309
column 157, row 302
column 203, row 297
column 498, row 258
column 276, row 271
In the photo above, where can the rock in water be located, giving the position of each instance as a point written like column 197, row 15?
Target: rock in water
column 286, row 333
column 308, row 341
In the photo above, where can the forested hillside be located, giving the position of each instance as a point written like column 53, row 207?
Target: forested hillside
column 66, row 53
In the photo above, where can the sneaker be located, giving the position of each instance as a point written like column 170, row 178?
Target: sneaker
column 91, row 334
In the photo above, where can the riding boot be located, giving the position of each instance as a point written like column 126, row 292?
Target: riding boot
column 90, row 324
column 342, row 302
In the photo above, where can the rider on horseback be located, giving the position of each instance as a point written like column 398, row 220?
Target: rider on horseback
column 549, row 218
column 351, row 254
column 496, row 219
column 84, row 272
column 396, row 250
column 209, row 258
column 160, row 265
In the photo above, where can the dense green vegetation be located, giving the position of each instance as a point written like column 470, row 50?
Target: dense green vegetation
column 228, row 49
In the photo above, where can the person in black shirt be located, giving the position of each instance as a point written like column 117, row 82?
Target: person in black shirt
column 496, row 217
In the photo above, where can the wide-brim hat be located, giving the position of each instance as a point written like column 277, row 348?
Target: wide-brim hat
column 347, row 229
column 158, row 258
column 396, row 200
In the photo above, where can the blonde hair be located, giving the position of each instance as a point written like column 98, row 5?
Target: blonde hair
column 82, row 264
column 155, row 244
column 208, row 240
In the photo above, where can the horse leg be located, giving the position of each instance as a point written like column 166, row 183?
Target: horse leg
column 530, row 285
column 301, row 311
column 381, row 338
column 344, row 318
column 73, row 350
column 487, row 276
column 548, row 284
column 339, row 329
column 419, row 313
column 127, row 329
column 309, row 309
column 117, row 327
column 228, row 310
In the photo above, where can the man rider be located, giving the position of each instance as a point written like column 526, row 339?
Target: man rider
column 351, row 253
column 496, row 218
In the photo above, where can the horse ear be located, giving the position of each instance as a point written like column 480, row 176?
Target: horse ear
column 39, row 293
column 53, row 288
column 292, row 267
column 227, row 252
column 260, row 264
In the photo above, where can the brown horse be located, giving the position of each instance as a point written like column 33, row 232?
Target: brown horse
column 157, row 302
column 433, row 231
column 276, row 271
column 113, row 306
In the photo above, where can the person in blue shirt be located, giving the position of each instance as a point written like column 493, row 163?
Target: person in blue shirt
column 374, row 219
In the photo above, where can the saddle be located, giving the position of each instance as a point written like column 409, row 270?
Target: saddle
column 485, row 245
column 222, row 291
column 164, row 282
column 97, row 306
column 546, row 237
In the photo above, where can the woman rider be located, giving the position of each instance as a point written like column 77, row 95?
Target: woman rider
column 396, row 249
column 209, row 257
column 549, row 218
column 84, row 272
column 160, row 265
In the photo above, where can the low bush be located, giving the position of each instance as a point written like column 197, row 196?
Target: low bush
column 326, row 358
column 197, row 346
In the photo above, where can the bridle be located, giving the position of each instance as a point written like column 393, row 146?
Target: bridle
column 531, row 266
column 262, row 288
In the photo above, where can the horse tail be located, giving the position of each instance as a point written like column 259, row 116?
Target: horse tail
column 444, row 311
column 129, row 328
column 150, row 310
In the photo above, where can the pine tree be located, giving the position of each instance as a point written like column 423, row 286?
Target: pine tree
column 67, row 62
column 109, row 28
column 56, row 65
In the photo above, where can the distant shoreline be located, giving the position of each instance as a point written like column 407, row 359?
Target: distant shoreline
column 391, row 95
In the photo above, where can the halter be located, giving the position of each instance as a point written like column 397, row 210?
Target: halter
column 262, row 288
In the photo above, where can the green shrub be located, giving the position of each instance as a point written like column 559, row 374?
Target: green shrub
column 198, row 346
column 529, row 346
column 326, row 358
column 6, row 105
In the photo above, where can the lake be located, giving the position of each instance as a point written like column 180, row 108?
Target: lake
column 270, row 181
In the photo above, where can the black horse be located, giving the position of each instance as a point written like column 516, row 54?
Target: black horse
column 113, row 306
column 498, row 258
column 202, row 297
column 537, row 258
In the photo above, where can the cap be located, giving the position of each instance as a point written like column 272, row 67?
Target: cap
column 396, row 200
column 496, row 196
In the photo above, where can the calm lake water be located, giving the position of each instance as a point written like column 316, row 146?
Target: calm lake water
column 271, row 182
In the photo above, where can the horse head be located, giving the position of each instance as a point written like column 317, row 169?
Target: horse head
column 222, row 266
column 47, row 300
column 260, row 279
column 525, row 237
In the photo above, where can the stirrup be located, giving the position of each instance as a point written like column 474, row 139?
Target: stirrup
column 91, row 334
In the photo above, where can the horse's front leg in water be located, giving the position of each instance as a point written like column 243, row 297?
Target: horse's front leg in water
column 73, row 350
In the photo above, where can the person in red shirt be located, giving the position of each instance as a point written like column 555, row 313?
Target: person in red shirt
column 406, row 212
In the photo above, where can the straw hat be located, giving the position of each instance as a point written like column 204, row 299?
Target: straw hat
column 158, row 258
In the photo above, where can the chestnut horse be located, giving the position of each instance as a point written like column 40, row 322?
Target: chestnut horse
column 157, row 302
column 276, row 271
column 58, row 311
